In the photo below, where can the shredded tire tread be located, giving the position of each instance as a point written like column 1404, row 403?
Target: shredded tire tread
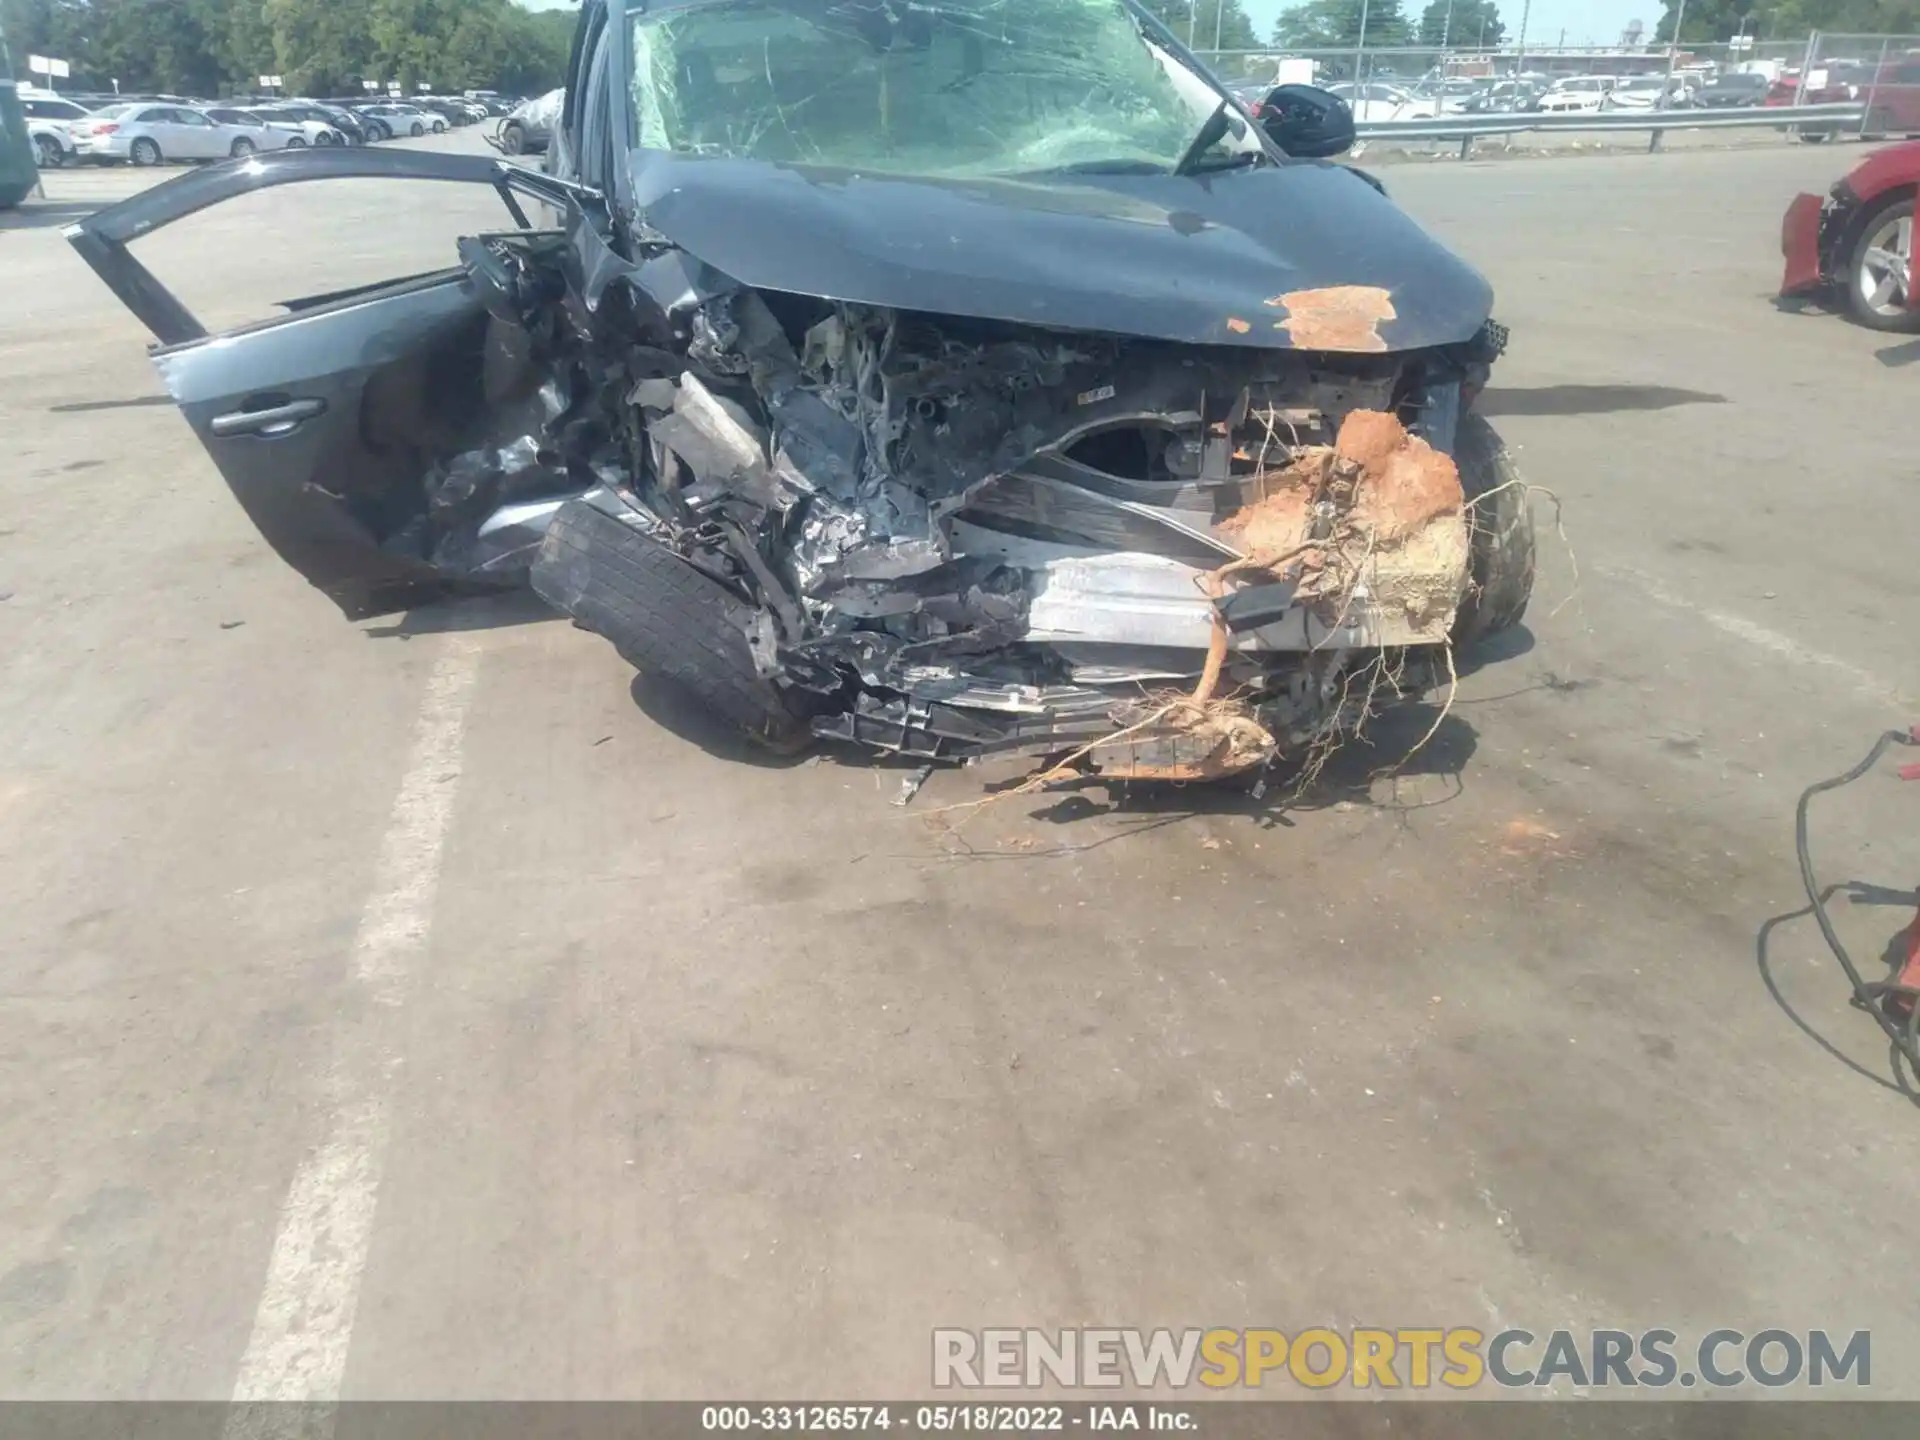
column 1502, row 555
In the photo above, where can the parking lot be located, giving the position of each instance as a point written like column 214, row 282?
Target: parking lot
column 431, row 982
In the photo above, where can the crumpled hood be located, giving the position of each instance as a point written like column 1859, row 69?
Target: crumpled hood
column 1304, row 255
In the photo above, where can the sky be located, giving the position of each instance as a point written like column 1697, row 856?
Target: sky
column 1586, row 22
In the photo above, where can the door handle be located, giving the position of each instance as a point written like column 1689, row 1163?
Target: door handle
column 278, row 420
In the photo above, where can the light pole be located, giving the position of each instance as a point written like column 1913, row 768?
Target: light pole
column 1193, row 23
column 1520, row 55
column 1360, row 45
column 1673, row 42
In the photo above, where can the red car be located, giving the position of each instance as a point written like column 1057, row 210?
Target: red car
column 1891, row 94
column 1859, row 240
column 1892, row 99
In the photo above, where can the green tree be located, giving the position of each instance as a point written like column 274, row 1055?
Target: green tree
column 324, row 47
column 1204, row 19
column 1713, row 20
column 1471, row 22
column 148, row 45
column 1331, row 24
column 321, row 47
column 538, row 47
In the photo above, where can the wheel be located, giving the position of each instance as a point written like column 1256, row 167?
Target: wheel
column 47, row 153
column 325, row 137
column 418, row 130
column 1815, row 137
column 294, row 142
column 241, row 147
column 439, row 127
column 665, row 618
column 144, row 151
column 1501, row 557
column 1880, row 268
column 379, row 130
column 513, row 140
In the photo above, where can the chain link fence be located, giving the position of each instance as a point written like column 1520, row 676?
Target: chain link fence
column 1860, row 56
column 1882, row 72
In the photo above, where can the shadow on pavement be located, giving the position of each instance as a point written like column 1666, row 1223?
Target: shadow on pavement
column 675, row 710
column 473, row 612
column 1896, row 355
column 39, row 214
column 1509, row 644
column 1589, row 399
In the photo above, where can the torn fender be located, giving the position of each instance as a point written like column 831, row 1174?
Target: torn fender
column 1800, row 245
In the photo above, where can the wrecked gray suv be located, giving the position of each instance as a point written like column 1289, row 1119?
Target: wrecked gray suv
column 941, row 376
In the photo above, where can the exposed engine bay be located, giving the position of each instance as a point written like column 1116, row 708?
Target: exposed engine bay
column 948, row 536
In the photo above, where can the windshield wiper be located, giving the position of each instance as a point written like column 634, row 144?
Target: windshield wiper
column 1235, row 161
column 1211, row 134
column 1102, row 167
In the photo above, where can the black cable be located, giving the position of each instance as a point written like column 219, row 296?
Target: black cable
column 1873, row 996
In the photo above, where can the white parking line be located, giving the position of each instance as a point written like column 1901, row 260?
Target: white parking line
column 1783, row 646
column 301, row 1330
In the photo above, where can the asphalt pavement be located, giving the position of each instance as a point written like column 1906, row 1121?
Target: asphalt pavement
column 426, row 1008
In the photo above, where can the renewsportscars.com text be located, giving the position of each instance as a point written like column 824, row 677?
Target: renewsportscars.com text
column 1458, row 1358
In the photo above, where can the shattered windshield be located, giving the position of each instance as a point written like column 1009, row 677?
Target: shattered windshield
column 919, row 87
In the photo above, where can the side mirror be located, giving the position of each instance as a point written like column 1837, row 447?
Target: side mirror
column 1307, row 122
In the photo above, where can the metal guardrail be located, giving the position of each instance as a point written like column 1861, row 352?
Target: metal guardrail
column 1468, row 128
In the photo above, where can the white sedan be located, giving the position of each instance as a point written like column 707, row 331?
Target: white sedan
column 1374, row 101
column 305, row 123
column 1576, row 95
column 1650, row 92
column 144, row 133
column 271, row 132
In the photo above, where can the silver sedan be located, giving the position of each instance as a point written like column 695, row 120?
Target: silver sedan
column 143, row 133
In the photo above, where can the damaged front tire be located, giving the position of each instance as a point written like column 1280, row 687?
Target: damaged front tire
column 1501, row 560
column 666, row 619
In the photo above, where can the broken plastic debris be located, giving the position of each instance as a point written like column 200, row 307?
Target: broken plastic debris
column 910, row 785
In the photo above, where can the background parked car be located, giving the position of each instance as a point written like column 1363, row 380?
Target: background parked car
column 49, row 107
column 1893, row 97
column 1650, row 92
column 147, row 134
column 1375, row 101
column 343, row 120
column 1452, row 97
column 453, row 109
column 1727, row 92
column 52, row 143
column 313, row 131
column 528, row 130
column 49, row 126
column 265, row 136
column 1504, row 97
column 398, row 118
column 1576, row 95
column 1786, row 92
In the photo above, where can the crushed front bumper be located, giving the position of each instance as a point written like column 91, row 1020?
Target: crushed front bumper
column 1800, row 237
